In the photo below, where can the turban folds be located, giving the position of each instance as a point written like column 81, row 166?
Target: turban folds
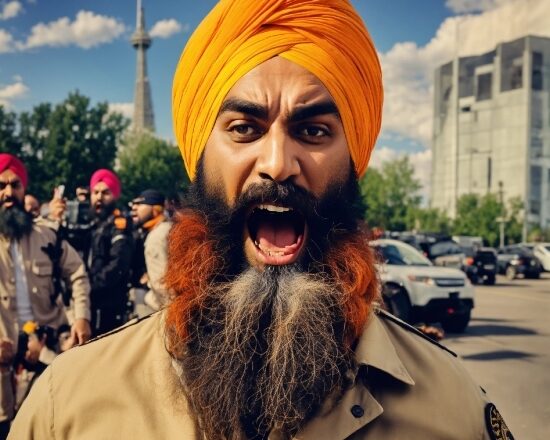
column 109, row 178
column 10, row 162
column 326, row 37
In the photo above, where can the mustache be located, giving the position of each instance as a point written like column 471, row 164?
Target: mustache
column 11, row 199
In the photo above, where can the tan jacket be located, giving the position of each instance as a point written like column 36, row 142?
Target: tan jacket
column 38, row 271
column 408, row 388
column 156, row 258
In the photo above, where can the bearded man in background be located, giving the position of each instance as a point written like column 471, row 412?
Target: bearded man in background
column 274, row 330
column 27, row 288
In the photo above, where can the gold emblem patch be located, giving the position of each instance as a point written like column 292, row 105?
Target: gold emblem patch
column 495, row 424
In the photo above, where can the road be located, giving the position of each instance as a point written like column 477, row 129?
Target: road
column 506, row 348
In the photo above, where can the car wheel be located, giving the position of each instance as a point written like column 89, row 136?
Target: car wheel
column 456, row 323
column 490, row 280
column 398, row 302
column 511, row 272
column 534, row 275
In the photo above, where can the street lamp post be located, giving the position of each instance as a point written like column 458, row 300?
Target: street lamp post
column 501, row 221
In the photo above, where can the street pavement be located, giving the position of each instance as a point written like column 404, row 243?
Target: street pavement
column 506, row 348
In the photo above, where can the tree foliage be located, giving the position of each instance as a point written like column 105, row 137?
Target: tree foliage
column 390, row 194
column 66, row 143
column 149, row 162
column 477, row 215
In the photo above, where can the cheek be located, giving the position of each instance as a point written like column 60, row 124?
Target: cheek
column 324, row 167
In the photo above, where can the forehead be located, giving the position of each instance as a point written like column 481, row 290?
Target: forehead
column 279, row 81
column 100, row 187
column 8, row 176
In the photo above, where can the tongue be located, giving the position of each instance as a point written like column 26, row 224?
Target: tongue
column 275, row 235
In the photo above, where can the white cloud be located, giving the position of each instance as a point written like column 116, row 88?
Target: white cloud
column 125, row 108
column 166, row 28
column 6, row 41
column 465, row 6
column 8, row 93
column 10, row 10
column 86, row 31
column 408, row 68
column 421, row 162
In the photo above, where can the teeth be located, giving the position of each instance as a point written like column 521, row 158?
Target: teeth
column 268, row 251
column 273, row 208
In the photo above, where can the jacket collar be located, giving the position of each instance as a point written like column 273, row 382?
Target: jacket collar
column 374, row 349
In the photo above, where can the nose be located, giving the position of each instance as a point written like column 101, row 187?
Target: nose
column 278, row 158
column 8, row 191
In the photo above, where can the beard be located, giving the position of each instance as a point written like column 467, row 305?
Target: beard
column 15, row 222
column 104, row 211
column 261, row 350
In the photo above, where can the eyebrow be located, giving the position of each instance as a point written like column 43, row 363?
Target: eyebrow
column 310, row 111
column 297, row 115
column 245, row 107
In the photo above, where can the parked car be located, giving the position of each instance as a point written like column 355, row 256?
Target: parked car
column 480, row 264
column 446, row 253
column 542, row 252
column 518, row 260
column 416, row 290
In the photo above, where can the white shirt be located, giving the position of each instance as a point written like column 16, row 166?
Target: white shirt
column 24, row 309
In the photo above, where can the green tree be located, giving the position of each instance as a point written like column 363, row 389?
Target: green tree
column 149, row 162
column 428, row 220
column 9, row 140
column 65, row 144
column 477, row 215
column 514, row 216
column 390, row 194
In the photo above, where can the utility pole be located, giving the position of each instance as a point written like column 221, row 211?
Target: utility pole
column 501, row 220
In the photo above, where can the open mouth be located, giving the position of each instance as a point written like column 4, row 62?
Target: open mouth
column 278, row 233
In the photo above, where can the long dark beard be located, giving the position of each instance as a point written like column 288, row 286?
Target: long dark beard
column 15, row 222
column 265, row 352
column 262, row 350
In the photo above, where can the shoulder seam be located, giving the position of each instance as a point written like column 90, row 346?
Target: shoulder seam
column 50, row 391
column 129, row 324
column 383, row 314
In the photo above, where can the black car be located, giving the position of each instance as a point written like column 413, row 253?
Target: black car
column 518, row 260
column 480, row 264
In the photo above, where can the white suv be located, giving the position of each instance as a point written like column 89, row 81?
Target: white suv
column 417, row 291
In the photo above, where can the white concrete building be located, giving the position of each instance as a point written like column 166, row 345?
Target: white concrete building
column 492, row 127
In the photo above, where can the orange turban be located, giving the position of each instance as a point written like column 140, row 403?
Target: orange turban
column 326, row 37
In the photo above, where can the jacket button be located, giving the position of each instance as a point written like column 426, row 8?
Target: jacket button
column 357, row 411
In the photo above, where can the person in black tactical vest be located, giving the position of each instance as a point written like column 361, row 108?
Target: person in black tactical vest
column 110, row 254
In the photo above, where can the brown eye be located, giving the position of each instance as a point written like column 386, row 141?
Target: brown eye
column 314, row 131
column 244, row 129
column 244, row 132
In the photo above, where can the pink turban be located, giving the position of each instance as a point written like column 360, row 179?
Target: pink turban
column 10, row 162
column 109, row 178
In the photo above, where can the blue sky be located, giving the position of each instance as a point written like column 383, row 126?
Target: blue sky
column 49, row 48
column 106, row 72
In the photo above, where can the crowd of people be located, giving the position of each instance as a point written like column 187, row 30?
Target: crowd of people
column 71, row 270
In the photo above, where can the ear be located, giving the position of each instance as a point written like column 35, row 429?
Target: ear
column 158, row 210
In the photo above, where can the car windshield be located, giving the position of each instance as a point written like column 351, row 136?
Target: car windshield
column 402, row 255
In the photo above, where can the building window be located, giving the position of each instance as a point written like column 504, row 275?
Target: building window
column 537, row 76
column 466, row 72
column 512, row 65
column 484, row 87
column 535, row 190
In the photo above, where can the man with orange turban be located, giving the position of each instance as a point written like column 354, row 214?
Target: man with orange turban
column 273, row 331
